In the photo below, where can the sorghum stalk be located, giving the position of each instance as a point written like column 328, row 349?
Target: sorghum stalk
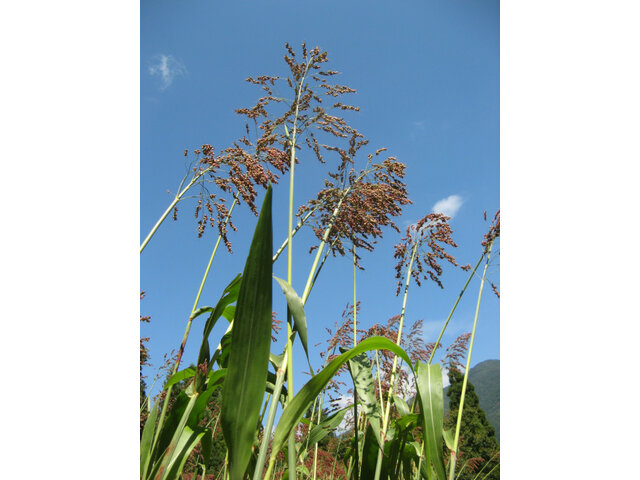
column 264, row 444
column 325, row 237
column 204, row 279
column 453, row 309
column 452, row 462
column 292, row 146
column 355, row 392
column 399, row 339
column 444, row 327
column 295, row 230
column 355, row 338
column 188, row 327
column 385, row 422
column 172, row 205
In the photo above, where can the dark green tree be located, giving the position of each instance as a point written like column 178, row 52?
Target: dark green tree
column 478, row 445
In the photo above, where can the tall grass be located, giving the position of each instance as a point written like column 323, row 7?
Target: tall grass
column 393, row 437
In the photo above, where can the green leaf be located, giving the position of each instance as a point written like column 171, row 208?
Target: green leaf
column 248, row 361
column 270, row 387
column 276, row 360
column 318, row 432
column 171, row 423
column 229, row 313
column 181, row 375
column 215, row 378
column 301, row 402
column 406, row 421
column 187, row 442
column 146, row 441
column 200, row 311
column 360, row 370
column 296, row 307
column 369, row 454
column 222, row 355
column 429, row 384
column 448, row 438
column 207, row 446
column 162, row 469
column 229, row 295
column 401, row 405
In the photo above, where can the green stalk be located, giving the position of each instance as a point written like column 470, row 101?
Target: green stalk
column 385, row 422
column 379, row 382
column 419, row 465
column 172, row 205
column 189, row 321
column 324, row 391
column 355, row 338
column 355, row 393
column 325, row 236
column 455, row 305
column 398, row 341
column 264, row 444
column 292, row 164
column 446, row 323
column 454, row 452
column 312, row 272
column 301, row 222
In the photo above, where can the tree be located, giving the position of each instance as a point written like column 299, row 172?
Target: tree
column 478, row 448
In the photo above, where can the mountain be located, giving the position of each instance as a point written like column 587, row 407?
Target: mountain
column 485, row 377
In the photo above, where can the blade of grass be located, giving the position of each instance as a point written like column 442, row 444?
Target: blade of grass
column 324, row 428
column 301, row 402
column 429, row 386
column 296, row 307
column 250, row 343
column 146, row 440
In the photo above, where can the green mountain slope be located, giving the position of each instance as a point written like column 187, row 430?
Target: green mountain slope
column 485, row 378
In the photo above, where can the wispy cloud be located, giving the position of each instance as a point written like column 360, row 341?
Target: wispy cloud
column 167, row 68
column 417, row 129
column 448, row 206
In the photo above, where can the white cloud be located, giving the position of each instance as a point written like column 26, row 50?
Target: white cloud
column 167, row 68
column 445, row 377
column 448, row 206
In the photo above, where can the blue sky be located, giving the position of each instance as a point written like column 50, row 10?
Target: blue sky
column 427, row 77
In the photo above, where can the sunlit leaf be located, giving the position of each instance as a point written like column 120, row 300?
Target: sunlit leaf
column 296, row 307
column 248, row 361
column 429, row 384
column 301, row 402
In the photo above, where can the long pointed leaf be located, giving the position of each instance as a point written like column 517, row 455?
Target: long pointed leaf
column 369, row 454
column 318, row 432
column 187, row 442
column 249, row 351
column 301, row 402
column 167, row 456
column 296, row 307
column 146, row 440
column 229, row 296
column 188, row 372
column 429, row 384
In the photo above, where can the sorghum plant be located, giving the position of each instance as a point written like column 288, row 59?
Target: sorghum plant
column 487, row 243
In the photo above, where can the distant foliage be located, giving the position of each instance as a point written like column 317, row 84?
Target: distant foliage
column 478, row 442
